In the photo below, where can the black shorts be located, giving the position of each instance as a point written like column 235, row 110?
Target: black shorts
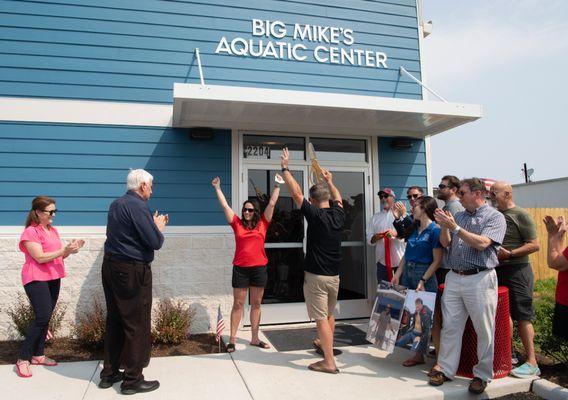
column 519, row 279
column 560, row 321
column 243, row 277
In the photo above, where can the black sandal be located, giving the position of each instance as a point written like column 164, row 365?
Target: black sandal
column 231, row 348
column 261, row 344
column 319, row 350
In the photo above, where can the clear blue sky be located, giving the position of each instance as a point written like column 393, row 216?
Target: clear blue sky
column 510, row 56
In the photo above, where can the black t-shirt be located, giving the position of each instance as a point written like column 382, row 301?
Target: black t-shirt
column 325, row 225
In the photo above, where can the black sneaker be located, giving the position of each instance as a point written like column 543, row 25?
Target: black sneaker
column 108, row 381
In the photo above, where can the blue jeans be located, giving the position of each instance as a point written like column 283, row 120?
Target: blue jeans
column 409, row 337
column 412, row 274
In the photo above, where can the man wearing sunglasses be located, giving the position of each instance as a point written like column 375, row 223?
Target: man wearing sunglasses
column 402, row 219
column 515, row 271
column 471, row 239
column 381, row 234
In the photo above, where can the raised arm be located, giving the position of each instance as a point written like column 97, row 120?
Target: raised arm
column 293, row 187
column 333, row 191
column 556, row 238
column 229, row 213
column 269, row 210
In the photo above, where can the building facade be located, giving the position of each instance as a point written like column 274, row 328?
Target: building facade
column 191, row 90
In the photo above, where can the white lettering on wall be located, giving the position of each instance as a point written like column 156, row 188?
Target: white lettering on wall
column 330, row 44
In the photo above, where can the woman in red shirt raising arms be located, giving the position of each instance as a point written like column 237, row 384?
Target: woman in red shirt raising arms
column 249, row 263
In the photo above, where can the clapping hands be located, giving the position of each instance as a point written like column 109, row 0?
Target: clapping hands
column 161, row 220
column 557, row 227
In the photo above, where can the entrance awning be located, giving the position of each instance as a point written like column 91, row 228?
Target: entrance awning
column 298, row 111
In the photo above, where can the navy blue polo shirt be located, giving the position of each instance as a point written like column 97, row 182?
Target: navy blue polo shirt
column 419, row 246
column 131, row 231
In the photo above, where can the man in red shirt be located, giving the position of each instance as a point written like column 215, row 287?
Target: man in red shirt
column 557, row 258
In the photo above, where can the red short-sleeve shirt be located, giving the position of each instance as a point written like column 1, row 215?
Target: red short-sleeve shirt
column 562, row 285
column 249, row 250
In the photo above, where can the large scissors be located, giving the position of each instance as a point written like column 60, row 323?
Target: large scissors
column 316, row 174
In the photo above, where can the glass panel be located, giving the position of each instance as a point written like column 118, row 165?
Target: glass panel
column 287, row 222
column 270, row 147
column 351, row 150
column 353, row 272
column 285, row 276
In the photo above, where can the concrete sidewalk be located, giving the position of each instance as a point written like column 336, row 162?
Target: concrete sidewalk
column 252, row 373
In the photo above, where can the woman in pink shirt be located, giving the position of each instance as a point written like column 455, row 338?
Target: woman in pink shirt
column 41, row 277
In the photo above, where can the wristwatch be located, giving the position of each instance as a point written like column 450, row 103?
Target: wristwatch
column 456, row 230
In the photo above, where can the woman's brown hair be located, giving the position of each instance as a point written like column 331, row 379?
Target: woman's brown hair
column 429, row 205
column 39, row 203
column 255, row 216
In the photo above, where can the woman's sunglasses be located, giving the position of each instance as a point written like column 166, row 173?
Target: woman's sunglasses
column 50, row 212
column 250, row 210
column 413, row 196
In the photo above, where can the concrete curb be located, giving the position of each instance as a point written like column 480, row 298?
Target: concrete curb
column 549, row 391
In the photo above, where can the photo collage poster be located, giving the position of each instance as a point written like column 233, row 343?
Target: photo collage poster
column 401, row 317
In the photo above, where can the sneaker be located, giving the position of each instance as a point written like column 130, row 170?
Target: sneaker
column 477, row 385
column 514, row 358
column 526, row 371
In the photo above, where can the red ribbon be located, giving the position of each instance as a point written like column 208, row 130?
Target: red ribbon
column 388, row 263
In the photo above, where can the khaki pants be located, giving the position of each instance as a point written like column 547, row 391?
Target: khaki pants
column 474, row 296
column 320, row 292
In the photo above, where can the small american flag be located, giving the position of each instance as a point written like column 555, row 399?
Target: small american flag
column 49, row 335
column 220, row 324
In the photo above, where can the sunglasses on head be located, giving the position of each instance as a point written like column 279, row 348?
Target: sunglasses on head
column 50, row 212
column 250, row 210
column 413, row 196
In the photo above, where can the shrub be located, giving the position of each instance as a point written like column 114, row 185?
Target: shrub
column 547, row 343
column 91, row 326
column 22, row 315
column 172, row 322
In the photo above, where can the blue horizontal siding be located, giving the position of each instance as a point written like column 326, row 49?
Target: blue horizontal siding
column 400, row 169
column 84, row 168
column 135, row 50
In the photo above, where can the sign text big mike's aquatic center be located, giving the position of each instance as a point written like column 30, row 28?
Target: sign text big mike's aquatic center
column 332, row 44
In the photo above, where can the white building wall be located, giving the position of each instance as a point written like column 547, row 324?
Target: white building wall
column 552, row 193
column 195, row 268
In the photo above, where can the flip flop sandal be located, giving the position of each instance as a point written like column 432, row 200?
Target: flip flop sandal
column 43, row 360
column 319, row 350
column 231, row 348
column 318, row 368
column 23, row 369
column 412, row 363
column 261, row 344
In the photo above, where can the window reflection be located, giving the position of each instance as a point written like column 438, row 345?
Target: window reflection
column 338, row 150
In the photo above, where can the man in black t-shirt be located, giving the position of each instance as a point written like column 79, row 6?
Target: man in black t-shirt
column 323, row 257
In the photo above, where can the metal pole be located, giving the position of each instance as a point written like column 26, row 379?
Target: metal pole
column 199, row 66
column 404, row 71
column 525, row 172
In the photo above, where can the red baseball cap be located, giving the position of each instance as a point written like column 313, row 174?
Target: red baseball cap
column 387, row 191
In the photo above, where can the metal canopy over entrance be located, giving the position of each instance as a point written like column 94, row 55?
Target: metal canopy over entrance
column 229, row 106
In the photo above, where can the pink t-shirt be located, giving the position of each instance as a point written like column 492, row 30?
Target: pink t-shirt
column 50, row 242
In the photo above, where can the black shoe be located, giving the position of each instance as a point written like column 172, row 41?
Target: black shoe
column 108, row 381
column 140, row 387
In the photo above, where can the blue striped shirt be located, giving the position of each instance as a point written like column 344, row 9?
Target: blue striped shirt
column 485, row 221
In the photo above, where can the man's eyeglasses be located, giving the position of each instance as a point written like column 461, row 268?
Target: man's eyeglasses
column 493, row 194
column 250, row 210
column 413, row 196
column 461, row 193
column 383, row 196
column 442, row 186
column 50, row 212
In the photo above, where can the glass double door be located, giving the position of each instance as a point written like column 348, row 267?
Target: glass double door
column 286, row 244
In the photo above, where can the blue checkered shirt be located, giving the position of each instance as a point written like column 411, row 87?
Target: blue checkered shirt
column 484, row 221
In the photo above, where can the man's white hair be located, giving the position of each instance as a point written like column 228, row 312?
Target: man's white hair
column 136, row 177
